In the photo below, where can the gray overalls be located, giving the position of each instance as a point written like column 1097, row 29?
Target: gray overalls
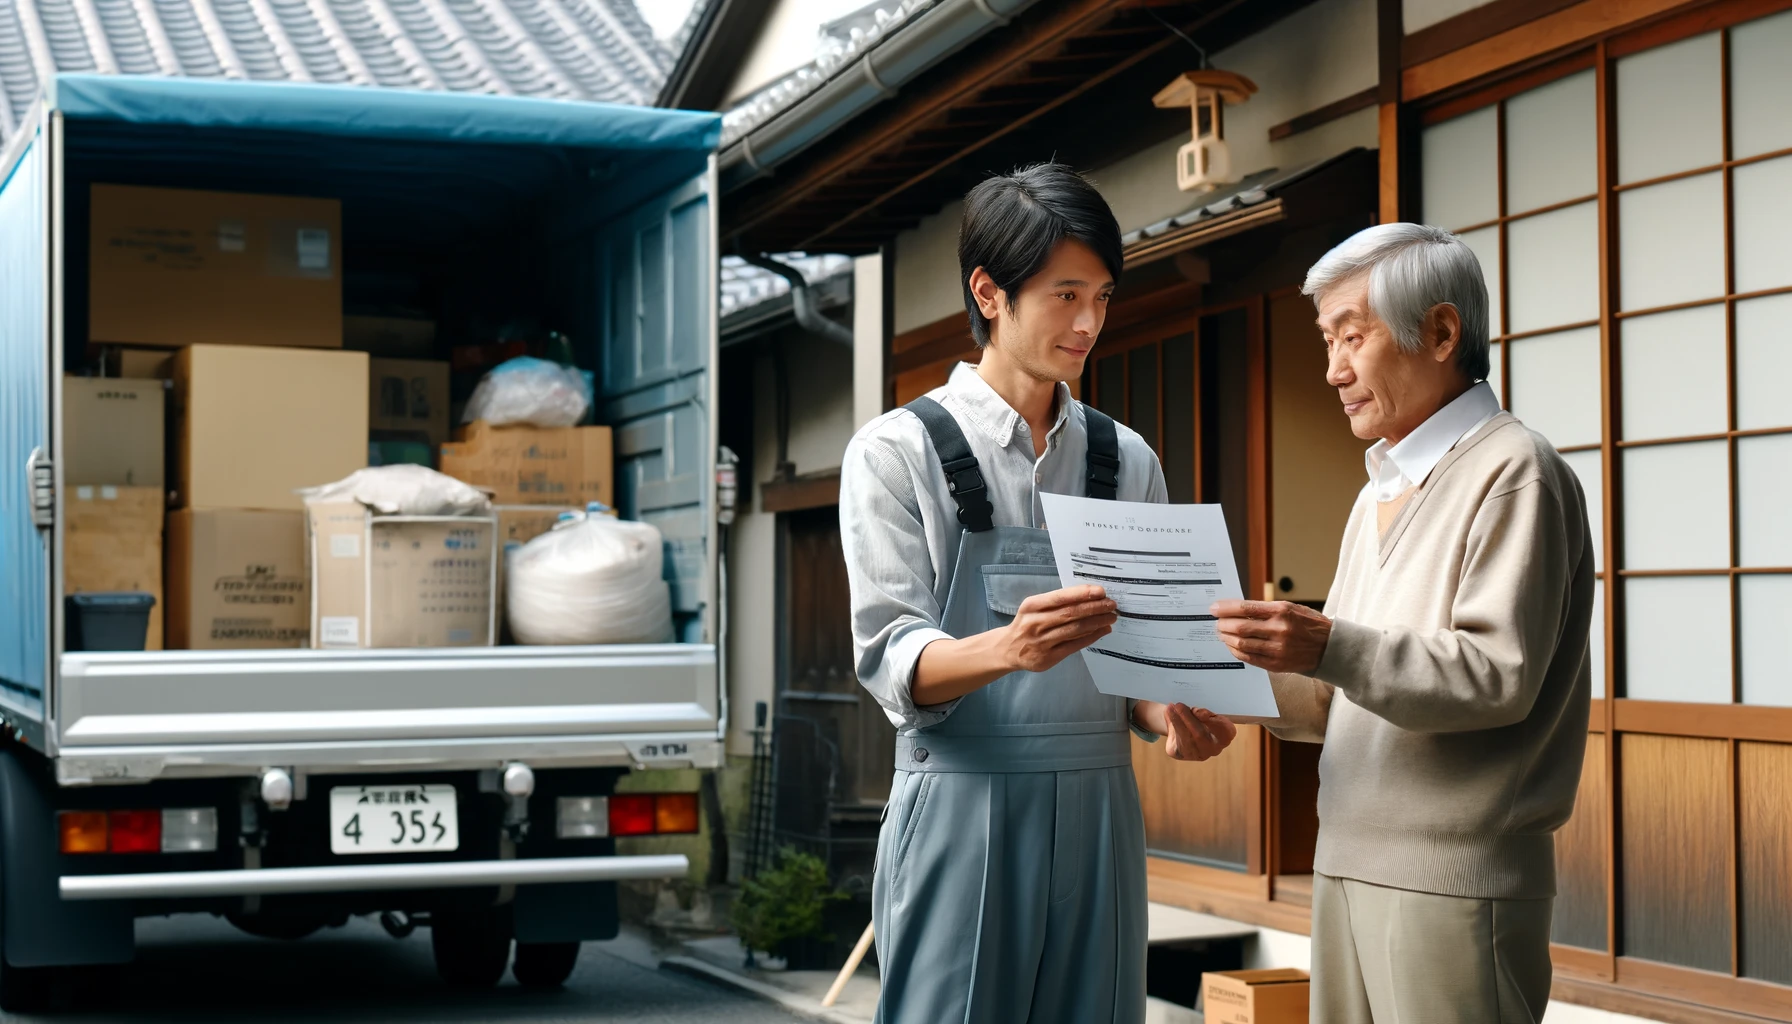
column 1011, row 866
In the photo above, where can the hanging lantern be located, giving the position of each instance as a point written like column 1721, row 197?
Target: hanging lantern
column 1205, row 163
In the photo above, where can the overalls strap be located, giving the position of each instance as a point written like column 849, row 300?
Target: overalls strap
column 1104, row 454
column 964, row 480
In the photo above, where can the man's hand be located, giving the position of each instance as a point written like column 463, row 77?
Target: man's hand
column 1046, row 629
column 1191, row 734
column 1051, row 627
column 1280, row 636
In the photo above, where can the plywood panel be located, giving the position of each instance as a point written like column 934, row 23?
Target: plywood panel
column 1676, row 835
column 1197, row 809
column 1580, row 858
column 1316, row 463
column 1764, row 783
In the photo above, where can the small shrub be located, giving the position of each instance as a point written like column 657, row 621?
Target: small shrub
column 785, row 903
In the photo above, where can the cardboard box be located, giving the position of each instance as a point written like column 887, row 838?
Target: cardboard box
column 174, row 267
column 401, row 581
column 409, row 396
column 112, row 541
column 566, row 466
column 236, row 580
column 1277, row 996
column 112, row 431
column 253, row 425
column 397, row 337
column 135, row 363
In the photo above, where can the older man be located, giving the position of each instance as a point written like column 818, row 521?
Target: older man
column 1449, row 676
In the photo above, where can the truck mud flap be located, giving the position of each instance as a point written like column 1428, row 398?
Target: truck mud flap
column 569, row 912
column 40, row 928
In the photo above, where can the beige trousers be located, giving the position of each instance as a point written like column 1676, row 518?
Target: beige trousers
column 1390, row 956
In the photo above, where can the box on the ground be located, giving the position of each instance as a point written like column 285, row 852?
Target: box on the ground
column 253, row 425
column 523, row 465
column 401, row 581
column 112, row 542
column 1275, row 996
column 112, row 431
column 409, row 396
column 390, row 336
column 236, row 579
column 174, row 267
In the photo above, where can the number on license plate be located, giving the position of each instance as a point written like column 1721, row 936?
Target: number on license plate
column 393, row 819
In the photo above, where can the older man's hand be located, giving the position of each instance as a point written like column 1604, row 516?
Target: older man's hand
column 1279, row 636
column 1191, row 734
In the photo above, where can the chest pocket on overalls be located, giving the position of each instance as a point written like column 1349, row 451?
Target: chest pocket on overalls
column 1005, row 587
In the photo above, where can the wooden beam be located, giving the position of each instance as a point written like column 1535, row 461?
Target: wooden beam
column 811, row 490
column 1389, row 17
column 1563, row 30
column 1325, row 115
column 1716, row 721
column 1472, row 26
column 1572, row 988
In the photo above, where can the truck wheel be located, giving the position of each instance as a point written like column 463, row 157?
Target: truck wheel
column 544, row 964
column 472, row 948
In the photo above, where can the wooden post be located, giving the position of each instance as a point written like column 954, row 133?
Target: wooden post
column 852, row 964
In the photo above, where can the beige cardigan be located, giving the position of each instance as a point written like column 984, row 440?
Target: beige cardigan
column 1453, row 694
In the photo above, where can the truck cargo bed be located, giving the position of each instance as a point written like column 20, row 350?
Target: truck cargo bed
column 125, row 717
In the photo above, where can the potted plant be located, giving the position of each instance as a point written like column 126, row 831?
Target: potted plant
column 780, row 912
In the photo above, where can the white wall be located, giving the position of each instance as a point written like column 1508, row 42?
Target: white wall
column 1320, row 54
column 1418, row 14
column 867, row 339
column 787, row 40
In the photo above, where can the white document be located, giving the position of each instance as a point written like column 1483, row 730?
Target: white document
column 1164, row 565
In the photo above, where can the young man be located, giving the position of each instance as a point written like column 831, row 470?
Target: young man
column 1011, row 866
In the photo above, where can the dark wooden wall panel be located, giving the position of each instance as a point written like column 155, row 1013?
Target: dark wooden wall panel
column 1764, row 771
column 1676, row 834
column 1580, row 858
column 1297, row 810
column 1196, row 809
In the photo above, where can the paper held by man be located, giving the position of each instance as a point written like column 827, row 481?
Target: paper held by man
column 1164, row 566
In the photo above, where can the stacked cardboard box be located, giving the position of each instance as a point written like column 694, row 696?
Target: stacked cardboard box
column 113, row 467
column 253, row 426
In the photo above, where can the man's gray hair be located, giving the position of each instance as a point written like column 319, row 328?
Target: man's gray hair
column 1412, row 269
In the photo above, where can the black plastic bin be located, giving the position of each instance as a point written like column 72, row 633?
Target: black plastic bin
column 108, row 621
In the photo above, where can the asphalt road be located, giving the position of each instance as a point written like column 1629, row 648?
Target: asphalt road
column 201, row 969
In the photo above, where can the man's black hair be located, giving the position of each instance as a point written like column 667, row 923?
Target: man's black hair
column 1012, row 222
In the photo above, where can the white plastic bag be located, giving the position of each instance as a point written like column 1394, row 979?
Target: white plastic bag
column 529, row 390
column 404, row 490
column 592, row 579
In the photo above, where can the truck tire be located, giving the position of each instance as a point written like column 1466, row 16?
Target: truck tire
column 544, row 964
column 472, row 948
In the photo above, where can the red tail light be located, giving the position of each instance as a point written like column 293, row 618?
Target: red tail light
column 136, row 832
column 631, row 814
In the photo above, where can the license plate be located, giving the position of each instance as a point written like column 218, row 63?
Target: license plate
column 393, row 819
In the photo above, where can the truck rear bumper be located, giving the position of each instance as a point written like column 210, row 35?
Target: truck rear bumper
column 361, row 878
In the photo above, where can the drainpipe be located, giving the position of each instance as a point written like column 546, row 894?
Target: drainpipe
column 803, row 301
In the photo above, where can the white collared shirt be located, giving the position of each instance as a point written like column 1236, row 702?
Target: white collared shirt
column 1396, row 469
column 899, row 525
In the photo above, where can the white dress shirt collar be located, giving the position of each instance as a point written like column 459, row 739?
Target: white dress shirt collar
column 1395, row 469
column 990, row 411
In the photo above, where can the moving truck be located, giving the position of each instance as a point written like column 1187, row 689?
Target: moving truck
column 468, row 790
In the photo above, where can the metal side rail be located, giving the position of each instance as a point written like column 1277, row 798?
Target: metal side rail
column 358, row 878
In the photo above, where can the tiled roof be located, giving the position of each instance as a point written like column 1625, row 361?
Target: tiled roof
column 565, row 49
column 745, row 285
column 839, row 45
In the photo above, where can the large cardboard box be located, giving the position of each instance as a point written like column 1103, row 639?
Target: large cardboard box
column 174, row 267
column 112, row 431
column 524, row 465
column 409, row 396
column 1275, row 996
column 113, row 542
column 253, row 425
column 401, row 581
column 236, row 579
